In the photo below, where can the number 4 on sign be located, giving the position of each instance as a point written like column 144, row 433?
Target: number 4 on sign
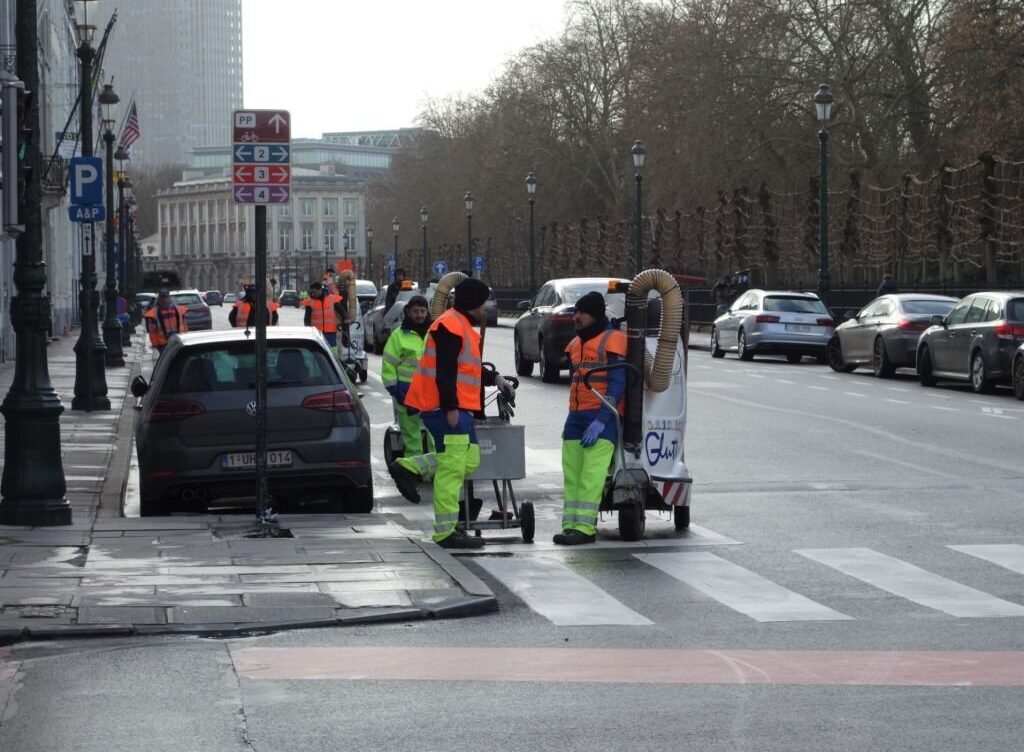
column 261, row 195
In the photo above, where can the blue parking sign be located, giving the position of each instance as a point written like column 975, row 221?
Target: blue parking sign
column 478, row 263
column 87, row 181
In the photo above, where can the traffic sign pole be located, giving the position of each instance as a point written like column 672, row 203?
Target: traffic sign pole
column 262, row 494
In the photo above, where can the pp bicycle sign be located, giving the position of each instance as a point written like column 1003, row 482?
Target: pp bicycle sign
column 261, row 156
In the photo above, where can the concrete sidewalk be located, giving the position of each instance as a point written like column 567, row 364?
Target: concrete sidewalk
column 109, row 575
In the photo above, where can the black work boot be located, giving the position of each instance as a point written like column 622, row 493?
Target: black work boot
column 406, row 481
column 475, row 505
column 459, row 539
column 570, row 537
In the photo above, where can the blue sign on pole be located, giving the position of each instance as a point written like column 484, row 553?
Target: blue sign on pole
column 440, row 268
column 391, row 267
column 86, row 183
column 87, row 213
column 478, row 263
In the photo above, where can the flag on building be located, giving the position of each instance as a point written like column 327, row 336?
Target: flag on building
column 130, row 131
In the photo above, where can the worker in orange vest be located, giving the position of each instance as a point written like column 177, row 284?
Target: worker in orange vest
column 446, row 389
column 241, row 312
column 323, row 311
column 163, row 319
column 591, row 430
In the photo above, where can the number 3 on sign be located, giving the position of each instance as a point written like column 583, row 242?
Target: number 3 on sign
column 261, row 174
column 261, row 154
column 261, row 195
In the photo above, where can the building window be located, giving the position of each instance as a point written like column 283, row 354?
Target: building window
column 308, row 207
column 351, row 207
column 285, row 210
column 307, row 237
column 330, row 239
column 330, row 207
column 284, row 238
column 350, row 236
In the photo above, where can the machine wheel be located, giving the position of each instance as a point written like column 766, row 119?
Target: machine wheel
column 880, row 363
column 524, row 367
column 632, row 522
column 362, row 375
column 716, row 350
column 389, row 454
column 834, row 354
column 681, row 517
column 527, row 521
column 1018, row 378
column 980, row 382
column 924, row 368
column 548, row 373
column 794, row 358
column 742, row 350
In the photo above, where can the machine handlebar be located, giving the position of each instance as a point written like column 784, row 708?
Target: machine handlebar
column 632, row 374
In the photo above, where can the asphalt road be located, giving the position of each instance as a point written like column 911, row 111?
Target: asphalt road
column 854, row 580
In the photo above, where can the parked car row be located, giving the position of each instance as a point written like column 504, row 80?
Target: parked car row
column 979, row 339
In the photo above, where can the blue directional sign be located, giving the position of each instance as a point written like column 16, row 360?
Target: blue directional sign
column 86, row 182
column 440, row 268
column 87, row 213
column 478, row 263
column 264, row 153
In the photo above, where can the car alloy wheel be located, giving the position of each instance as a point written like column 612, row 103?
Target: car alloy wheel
column 834, row 355
column 523, row 367
column 979, row 381
column 741, row 346
column 1018, row 377
column 716, row 349
column 880, row 363
column 924, row 367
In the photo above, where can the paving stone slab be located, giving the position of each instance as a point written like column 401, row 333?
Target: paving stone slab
column 160, row 580
column 35, row 597
column 310, row 557
column 372, row 616
column 122, row 615
column 239, row 588
column 231, row 570
column 369, row 576
column 156, row 600
column 288, row 600
column 244, row 614
column 371, row 599
column 62, row 631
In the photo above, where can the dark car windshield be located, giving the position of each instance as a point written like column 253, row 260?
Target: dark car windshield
column 187, row 299
column 930, row 307
column 1015, row 309
column 232, row 367
column 572, row 293
column 212, row 296
column 366, row 288
column 784, row 304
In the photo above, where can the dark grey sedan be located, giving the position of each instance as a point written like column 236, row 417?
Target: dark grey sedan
column 198, row 313
column 975, row 342
column 884, row 333
column 195, row 433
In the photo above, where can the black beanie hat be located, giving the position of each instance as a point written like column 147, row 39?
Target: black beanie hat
column 471, row 293
column 417, row 300
column 592, row 303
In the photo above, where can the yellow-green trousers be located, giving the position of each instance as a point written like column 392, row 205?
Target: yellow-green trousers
column 584, row 470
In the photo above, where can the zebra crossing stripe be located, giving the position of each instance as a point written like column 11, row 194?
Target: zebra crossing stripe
column 913, row 583
column 560, row 595
column 739, row 588
column 1007, row 555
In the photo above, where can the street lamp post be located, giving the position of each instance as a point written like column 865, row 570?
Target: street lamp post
column 531, row 192
column 111, row 326
column 823, row 105
column 423, row 255
column 33, row 484
column 122, row 220
column 369, row 252
column 90, row 378
column 639, row 155
column 468, row 198
column 394, row 257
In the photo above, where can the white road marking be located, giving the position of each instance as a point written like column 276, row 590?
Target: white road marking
column 756, row 375
column 920, row 468
column 784, row 381
column 560, row 595
column 897, row 389
column 854, row 394
column 818, row 388
column 1007, row 555
column 947, row 409
column 739, row 588
column 831, row 378
column 913, row 583
column 896, row 401
column 996, row 412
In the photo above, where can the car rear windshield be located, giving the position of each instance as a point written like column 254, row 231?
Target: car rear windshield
column 366, row 288
column 1015, row 309
column 783, row 304
column 233, row 367
column 930, row 307
column 187, row 299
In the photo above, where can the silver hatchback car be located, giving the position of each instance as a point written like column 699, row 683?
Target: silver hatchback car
column 195, row 433
column 769, row 322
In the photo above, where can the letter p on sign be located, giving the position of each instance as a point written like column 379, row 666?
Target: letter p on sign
column 86, row 181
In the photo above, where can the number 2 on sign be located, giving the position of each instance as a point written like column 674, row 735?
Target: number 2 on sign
column 261, row 154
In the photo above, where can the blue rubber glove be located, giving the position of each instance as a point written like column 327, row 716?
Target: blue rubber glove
column 593, row 432
column 403, row 389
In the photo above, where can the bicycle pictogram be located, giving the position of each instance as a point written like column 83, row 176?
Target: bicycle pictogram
column 250, row 137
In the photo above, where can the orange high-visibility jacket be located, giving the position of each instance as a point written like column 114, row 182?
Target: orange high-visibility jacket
column 324, row 317
column 161, row 323
column 423, row 394
column 244, row 309
column 589, row 355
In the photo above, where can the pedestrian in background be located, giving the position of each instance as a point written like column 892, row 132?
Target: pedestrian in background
column 163, row 319
column 323, row 311
column 888, row 286
column 241, row 313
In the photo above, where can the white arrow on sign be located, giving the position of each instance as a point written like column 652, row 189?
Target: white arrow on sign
column 242, row 153
column 281, row 194
column 280, row 175
column 280, row 153
column 242, row 173
column 243, row 193
column 277, row 121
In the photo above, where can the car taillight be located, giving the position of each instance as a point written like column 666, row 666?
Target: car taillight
column 562, row 318
column 167, row 410
column 826, row 322
column 339, row 401
column 1006, row 330
column 909, row 325
column 766, row 319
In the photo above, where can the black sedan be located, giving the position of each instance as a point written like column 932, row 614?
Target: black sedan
column 195, row 432
column 975, row 342
column 546, row 327
column 884, row 333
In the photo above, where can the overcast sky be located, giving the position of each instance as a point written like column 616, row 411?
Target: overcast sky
column 344, row 65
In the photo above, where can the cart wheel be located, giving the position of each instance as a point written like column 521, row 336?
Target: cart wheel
column 362, row 375
column 681, row 516
column 631, row 522
column 389, row 454
column 527, row 521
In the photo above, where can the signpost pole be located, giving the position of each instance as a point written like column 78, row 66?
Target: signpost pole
column 262, row 495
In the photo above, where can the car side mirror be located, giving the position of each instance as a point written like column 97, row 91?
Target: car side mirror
column 721, row 310
column 938, row 319
column 139, row 386
column 523, row 305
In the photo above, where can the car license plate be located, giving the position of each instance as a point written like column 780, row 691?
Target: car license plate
column 247, row 460
column 804, row 328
